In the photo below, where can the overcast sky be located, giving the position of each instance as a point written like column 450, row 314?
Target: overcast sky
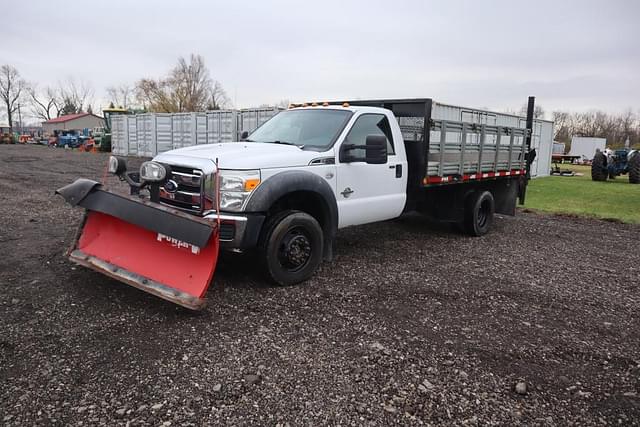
column 574, row 55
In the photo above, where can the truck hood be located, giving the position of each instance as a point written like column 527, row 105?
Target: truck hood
column 240, row 155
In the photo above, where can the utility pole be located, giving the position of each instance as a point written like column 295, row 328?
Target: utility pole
column 20, row 120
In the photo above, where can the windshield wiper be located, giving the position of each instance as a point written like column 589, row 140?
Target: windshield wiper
column 300, row 146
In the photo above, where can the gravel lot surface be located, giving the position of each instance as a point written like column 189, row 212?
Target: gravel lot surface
column 536, row 323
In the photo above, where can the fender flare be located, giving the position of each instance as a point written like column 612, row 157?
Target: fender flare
column 283, row 183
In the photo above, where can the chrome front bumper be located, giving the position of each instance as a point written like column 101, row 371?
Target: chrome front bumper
column 238, row 231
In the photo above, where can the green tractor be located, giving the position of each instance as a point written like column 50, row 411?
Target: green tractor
column 610, row 163
column 103, row 137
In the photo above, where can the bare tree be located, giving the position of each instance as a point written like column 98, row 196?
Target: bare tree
column 561, row 120
column 188, row 87
column 283, row 103
column 121, row 95
column 11, row 90
column 155, row 96
column 45, row 105
column 75, row 96
column 218, row 98
column 538, row 111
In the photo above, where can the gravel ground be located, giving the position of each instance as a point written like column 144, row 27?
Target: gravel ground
column 536, row 323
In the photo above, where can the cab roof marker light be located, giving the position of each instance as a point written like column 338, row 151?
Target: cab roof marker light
column 345, row 104
column 325, row 104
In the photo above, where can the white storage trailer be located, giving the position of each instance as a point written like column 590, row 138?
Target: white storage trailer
column 585, row 146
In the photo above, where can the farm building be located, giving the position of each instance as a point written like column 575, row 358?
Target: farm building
column 72, row 122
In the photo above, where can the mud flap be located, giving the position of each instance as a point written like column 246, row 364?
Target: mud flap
column 159, row 250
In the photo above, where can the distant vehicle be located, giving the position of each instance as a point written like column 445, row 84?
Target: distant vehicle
column 610, row 164
column 69, row 139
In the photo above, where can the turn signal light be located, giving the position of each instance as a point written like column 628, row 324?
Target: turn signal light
column 250, row 184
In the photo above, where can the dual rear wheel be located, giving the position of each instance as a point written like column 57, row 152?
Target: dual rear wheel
column 479, row 210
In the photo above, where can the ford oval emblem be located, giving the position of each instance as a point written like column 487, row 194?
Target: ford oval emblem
column 171, row 186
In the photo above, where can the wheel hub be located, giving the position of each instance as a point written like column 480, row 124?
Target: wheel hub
column 295, row 250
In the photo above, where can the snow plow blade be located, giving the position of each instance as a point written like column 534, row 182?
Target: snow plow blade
column 162, row 251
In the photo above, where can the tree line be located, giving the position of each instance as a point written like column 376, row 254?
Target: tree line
column 616, row 128
column 188, row 86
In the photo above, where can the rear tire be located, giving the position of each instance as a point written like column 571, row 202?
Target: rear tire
column 291, row 247
column 599, row 170
column 634, row 168
column 479, row 211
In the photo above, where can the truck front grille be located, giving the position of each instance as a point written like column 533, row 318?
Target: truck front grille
column 187, row 193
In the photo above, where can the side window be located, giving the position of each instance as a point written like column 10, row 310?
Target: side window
column 370, row 124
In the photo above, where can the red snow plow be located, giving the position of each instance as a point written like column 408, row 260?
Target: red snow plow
column 160, row 250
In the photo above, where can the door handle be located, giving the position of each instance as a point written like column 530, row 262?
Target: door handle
column 346, row 192
column 398, row 169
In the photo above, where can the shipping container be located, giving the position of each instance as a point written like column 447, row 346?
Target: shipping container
column 132, row 136
column 201, row 128
column 164, row 132
column 250, row 119
column 146, row 133
column 184, row 130
column 119, row 140
column 221, row 126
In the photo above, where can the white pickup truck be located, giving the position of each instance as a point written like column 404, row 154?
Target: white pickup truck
column 286, row 188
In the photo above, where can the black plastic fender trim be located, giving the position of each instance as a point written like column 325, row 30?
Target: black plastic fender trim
column 287, row 182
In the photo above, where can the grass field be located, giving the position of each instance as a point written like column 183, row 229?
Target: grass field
column 579, row 195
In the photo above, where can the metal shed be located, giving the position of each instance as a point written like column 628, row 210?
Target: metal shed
column 72, row 122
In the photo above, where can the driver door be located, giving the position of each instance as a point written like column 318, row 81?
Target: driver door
column 368, row 192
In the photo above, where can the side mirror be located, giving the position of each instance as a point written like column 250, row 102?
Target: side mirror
column 244, row 135
column 376, row 150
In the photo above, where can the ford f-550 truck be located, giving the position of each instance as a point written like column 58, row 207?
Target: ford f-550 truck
column 286, row 188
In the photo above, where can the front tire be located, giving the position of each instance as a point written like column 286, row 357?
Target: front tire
column 291, row 247
column 599, row 170
column 479, row 212
column 634, row 168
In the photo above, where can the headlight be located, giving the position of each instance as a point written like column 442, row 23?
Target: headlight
column 153, row 172
column 235, row 188
column 117, row 165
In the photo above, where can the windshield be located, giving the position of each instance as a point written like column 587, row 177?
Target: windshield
column 308, row 129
